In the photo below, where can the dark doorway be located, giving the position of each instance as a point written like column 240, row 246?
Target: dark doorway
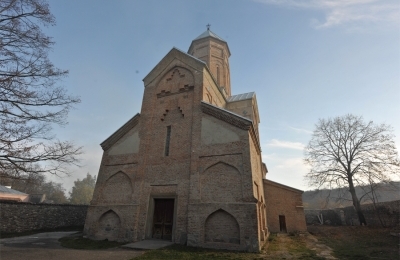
column 282, row 223
column 163, row 218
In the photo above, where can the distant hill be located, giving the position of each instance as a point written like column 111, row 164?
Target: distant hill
column 324, row 199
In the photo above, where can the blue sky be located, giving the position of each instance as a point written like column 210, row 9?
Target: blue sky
column 305, row 59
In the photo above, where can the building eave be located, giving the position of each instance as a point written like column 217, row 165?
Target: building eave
column 279, row 185
column 120, row 132
column 171, row 52
column 233, row 119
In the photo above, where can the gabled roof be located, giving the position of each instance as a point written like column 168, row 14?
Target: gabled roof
column 209, row 33
column 4, row 189
column 279, row 185
column 120, row 132
column 241, row 97
column 173, row 53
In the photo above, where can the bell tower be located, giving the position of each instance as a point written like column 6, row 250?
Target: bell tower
column 214, row 51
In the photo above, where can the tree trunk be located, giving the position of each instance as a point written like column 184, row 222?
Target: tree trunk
column 356, row 203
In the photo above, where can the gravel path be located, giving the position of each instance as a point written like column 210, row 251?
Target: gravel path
column 46, row 246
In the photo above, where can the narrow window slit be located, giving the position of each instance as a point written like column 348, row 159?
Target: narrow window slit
column 167, row 140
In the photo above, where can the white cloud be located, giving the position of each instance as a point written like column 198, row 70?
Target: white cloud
column 352, row 13
column 301, row 130
column 288, row 171
column 286, row 144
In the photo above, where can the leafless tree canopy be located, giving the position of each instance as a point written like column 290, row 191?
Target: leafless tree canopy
column 30, row 100
column 345, row 152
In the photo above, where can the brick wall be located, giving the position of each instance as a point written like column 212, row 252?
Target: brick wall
column 386, row 212
column 285, row 202
column 21, row 217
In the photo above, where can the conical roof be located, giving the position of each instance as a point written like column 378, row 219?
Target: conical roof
column 209, row 33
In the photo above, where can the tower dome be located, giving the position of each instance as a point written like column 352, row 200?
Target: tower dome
column 214, row 51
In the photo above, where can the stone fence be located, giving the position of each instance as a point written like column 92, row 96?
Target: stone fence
column 385, row 213
column 21, row 217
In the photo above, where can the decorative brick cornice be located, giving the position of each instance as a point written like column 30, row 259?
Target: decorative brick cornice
column 233, row 119
column 120, row 132
column 226, row 116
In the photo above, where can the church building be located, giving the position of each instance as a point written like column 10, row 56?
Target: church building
column 188, row 168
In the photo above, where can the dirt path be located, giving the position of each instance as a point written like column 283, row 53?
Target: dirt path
column 301, row 246
column 322, row 250
column 283, row 251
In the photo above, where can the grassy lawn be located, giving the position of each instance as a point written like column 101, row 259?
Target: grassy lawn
column 285, row 247
column 292, row 246
column 347, row 242
column 178, row 252
column 79, row 242
column 357, row 242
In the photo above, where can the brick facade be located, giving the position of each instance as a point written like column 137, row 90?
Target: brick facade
column 193, row 143
column 284, row 203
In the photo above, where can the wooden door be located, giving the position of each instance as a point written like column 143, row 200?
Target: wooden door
column 282, row 223
column 163, row 218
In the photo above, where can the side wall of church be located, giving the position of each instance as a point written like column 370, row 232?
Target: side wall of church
column 113, row 212
column 222, row 209
column 281, row 201
column 258, row 187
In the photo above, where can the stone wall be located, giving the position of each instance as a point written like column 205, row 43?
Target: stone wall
column 386, row 213
column 21, row 217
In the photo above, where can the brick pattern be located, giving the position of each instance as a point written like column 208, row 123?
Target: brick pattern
column 284, row 201
column 221, row 183
column 222, row 227
column 120, row 182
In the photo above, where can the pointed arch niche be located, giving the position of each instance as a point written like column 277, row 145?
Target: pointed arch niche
column 117, row 189
column 109, row 226
column 221, row 227
column 221, row 182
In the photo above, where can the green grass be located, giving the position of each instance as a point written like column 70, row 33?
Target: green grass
column 178, row 252
column 295, row 247
column 292, row 246
column 361, row 243
column 79, row 242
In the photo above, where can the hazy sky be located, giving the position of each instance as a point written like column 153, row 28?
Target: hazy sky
column 305, row 59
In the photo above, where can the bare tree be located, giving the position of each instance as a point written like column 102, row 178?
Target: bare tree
column 30, row 100
column 345, row 152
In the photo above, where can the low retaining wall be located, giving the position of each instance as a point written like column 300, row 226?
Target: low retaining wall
column 386, row 214
column 21, row 217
